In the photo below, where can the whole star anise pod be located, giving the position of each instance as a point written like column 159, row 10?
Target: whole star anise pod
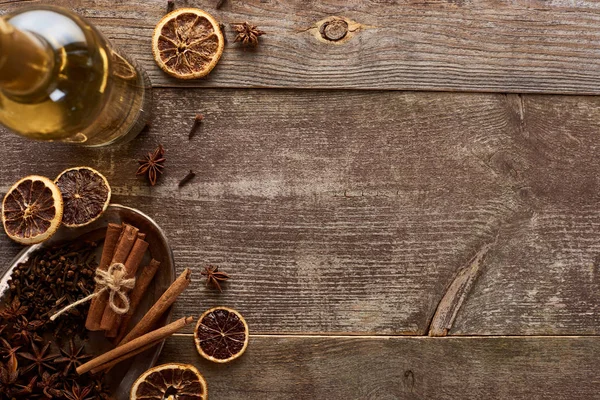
column 13, row 311
column 214, row 276
column 73, row 357
column 39, row 358
column 247, row 34
column 78, row 393
column 9, row 373
column 26, row 331
column 51, row 385
column 152, row 164
column 7, row 349
column 24, row 391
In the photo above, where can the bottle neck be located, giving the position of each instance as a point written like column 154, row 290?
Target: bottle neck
column 26, row 61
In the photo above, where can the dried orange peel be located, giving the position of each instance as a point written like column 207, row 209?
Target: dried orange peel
column 170, row 381
column 221, row 335
column 187, row 43
column 32, row 210
column 86, row 194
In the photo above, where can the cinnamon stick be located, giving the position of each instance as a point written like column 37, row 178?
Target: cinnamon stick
column 110, row 318
column 135, row 298
column 159, row 308
column 131, row 347
column 107, row 366
column 121, row 251
column 113, row 232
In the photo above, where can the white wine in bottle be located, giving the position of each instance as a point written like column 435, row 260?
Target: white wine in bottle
column 61, row 80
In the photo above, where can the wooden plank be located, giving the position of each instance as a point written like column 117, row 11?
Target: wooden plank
column 354, row 211
column 489, row 46
column 276, row 367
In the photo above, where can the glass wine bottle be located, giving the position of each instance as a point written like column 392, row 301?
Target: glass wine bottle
column 61, row 80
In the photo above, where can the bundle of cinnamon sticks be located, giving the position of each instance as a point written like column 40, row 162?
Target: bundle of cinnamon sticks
column 123, row 244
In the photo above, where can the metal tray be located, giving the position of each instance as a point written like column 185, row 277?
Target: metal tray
column 121, row 378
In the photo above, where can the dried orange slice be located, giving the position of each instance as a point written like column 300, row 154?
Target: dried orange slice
column 221, row 335
column 170, row 381
column 187, row 43
column 32, row 210
column 85, row 193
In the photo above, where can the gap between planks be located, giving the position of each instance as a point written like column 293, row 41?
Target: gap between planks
column 352, row 336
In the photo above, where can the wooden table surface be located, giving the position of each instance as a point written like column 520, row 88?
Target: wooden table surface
column 410, row 212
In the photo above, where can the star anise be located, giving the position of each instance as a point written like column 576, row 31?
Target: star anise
column 100, row 389
column 152, row 164
column 13, row 311
column 25, row 390
column 214, row 276
column 78, row 393
column 73, row 357
column 39, row 358
column 50, row 385
column 247, row 34
column 25, row 330
column 7, row 349
column 9, row 373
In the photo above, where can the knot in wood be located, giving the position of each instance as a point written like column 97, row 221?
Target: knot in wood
column 334, row 29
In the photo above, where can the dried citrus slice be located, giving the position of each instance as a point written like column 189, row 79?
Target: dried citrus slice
column 187, row 43
column 32, row 210
column 85, row 193
column 221, row 335
column 170, row 381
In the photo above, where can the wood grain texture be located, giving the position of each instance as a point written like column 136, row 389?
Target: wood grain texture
column 351, row 211
column 334, row 368
column 451, row 45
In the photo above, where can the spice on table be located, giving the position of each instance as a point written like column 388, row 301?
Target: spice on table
column 247, row 34
column 170, row 6
column 30, row 365
column 187, row 178
column 214, row 276
column 110, row 319
column 29, row 222
column 86, row 194
column 125, row 242
column 220, row 3
column 49, row 279
column 72, row 358
column 160, row 307
column 197, row 121
column 152, row 164
column 222, row 28
column 130, row 347
column 187, row 43
column 179, row 380
column 135, row 298
column 221, row 335
column 39, row 358
column 113, row 233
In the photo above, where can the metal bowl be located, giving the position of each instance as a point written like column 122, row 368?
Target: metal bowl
column 121, row 378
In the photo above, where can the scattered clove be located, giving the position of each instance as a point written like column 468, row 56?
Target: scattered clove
column 220, row 4
column 222, row 28
column 170, row 5
column 197, row 120
column 187, row 178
